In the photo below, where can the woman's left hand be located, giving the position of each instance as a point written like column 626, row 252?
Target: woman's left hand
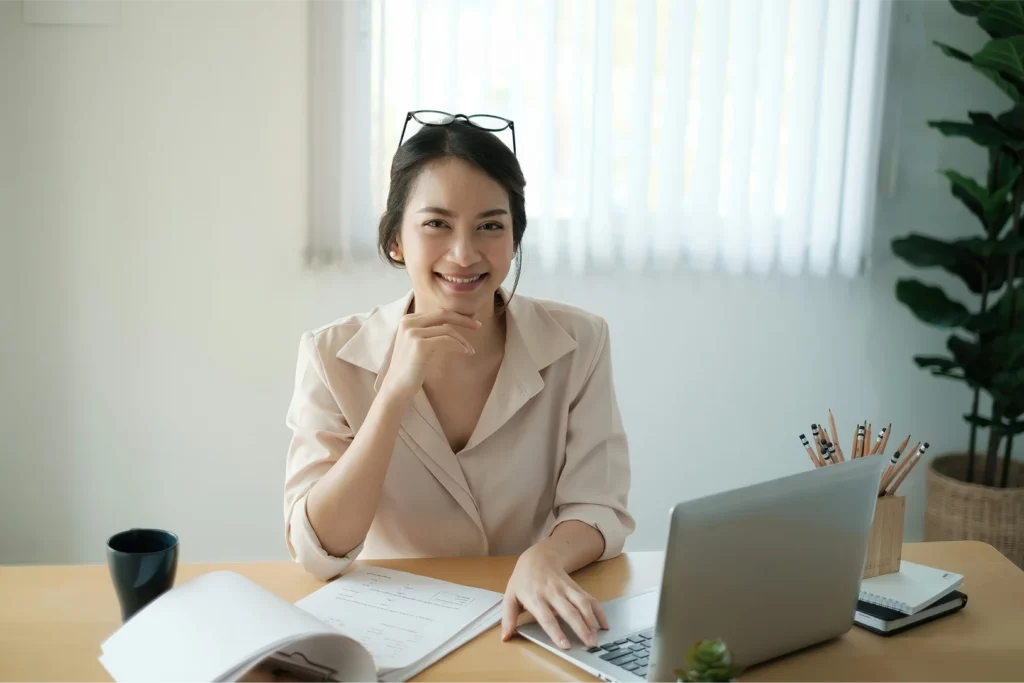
column 541, row 586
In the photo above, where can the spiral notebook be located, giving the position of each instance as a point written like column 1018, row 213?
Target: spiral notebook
column 911, row 589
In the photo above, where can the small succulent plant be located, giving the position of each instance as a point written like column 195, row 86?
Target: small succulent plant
column 708, row 660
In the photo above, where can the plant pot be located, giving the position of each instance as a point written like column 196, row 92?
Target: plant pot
column 958, row 511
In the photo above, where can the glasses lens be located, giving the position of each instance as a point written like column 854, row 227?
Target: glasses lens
column 433, row 118
column 488, row 122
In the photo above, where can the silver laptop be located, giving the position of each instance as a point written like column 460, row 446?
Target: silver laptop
column 770, row 568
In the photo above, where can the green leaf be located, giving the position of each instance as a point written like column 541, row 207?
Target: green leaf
column 1012, row 121
column 930, row 304
column 970, row 8
column 955, row 257
column 937, row 362
column 999, row 317
column 966, row 353
column 1005, row 55
column 1003, row 19
column 1015, row 427
column 984, row 135
column 978, row 421
column 975, row 197
column 1006, row 352
column 1005, row 384
column 1012, row 88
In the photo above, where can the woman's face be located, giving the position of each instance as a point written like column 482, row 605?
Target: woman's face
column 456, row 237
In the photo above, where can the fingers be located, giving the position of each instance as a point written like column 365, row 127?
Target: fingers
column 432, row 318
column 572, row 616
column 510, row 616
column 602, row 618
column 547, row 621
column 446, row 343
column 585, row 604
column 439, row 330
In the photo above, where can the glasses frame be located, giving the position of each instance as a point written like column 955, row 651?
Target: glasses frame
column 509, row 124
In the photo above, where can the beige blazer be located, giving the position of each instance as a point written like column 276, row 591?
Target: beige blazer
column 549, row 445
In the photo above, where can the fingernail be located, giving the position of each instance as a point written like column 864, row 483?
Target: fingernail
column 564, row 643
column 478, row 323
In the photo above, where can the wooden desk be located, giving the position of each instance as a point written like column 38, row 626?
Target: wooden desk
column 53, row 620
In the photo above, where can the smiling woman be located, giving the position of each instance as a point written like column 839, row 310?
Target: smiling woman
column 460, row 419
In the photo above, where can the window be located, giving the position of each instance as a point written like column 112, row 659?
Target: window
column 735, row 134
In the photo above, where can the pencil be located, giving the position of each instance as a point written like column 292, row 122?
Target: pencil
column 815, row 434
column 825, row 455
column 835, row 436
column 860, row 442
column 895, row 484
column 878, row 440
column 892, row 469
column 867, row 440
column 832, row 452
column 853, row 446
column 904, row 444
column 885, row 441
column 903, row 465
column 810, row 451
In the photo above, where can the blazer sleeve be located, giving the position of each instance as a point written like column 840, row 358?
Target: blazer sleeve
column 593, row 486
column 320, row 435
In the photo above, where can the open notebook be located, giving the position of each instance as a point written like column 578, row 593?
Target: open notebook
column 911, row 589
column 370, row 624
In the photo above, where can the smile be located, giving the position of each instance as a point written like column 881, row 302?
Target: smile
column 462, row 280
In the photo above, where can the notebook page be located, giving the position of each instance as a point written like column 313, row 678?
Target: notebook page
column 912, row 588
column 486, row 621
column 203, row 629
column 400, row 618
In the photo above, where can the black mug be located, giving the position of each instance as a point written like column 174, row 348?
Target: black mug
column 142, row 566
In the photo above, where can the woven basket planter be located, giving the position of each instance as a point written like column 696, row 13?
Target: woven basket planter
column 958, row 511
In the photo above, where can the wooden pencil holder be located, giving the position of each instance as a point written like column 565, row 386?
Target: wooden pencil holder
column 886, row 545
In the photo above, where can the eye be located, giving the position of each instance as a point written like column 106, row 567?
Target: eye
column 493, row 225
column 435, row 223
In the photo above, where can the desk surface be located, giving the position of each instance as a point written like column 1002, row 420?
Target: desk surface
column 54, row 618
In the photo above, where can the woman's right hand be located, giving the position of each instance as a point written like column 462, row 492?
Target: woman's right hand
column 421, row 337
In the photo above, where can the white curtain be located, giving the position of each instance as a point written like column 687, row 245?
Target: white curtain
column 733, row 134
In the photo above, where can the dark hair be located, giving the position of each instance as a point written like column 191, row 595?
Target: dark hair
column 464, row 141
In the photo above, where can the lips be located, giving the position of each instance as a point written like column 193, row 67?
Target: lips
column 461, row 283
column 462, row 279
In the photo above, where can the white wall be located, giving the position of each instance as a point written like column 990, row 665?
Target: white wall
column 152, row 212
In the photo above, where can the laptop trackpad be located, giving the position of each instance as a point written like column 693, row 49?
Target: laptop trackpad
column 633, row 612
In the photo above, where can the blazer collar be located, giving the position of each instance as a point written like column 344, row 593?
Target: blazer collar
column 533, row 336
column 533, row 341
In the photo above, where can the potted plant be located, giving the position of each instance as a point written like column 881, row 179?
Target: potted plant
column 707, row 660
column 980, row 494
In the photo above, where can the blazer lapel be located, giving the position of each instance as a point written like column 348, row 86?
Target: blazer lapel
column 533, row 341
column 371, row 348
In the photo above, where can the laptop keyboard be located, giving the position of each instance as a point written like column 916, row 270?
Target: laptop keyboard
column 631, row 653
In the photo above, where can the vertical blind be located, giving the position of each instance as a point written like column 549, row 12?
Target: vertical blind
column 654, row 134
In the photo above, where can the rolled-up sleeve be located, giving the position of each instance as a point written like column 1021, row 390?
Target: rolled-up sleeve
column 320, row 435
column 593, row 486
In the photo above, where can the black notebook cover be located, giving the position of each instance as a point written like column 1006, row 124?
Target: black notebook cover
column 930, row 613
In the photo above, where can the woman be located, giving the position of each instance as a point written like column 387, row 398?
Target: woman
column 461, row 419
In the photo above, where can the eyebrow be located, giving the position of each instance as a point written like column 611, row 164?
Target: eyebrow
column 451, row 214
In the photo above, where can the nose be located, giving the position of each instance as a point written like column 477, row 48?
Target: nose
column 464, row 251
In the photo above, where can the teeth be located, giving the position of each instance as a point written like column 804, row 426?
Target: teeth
column 461, row 280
